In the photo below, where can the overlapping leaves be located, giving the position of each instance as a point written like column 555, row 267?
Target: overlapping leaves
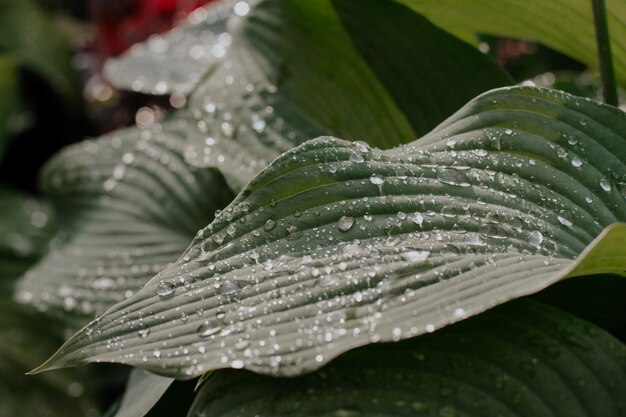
column 338, row 245
column 521, row 359
column 128, row 206
column 122, row 226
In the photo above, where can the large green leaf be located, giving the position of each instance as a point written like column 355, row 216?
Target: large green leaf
column 522, row 359
column 336, row 245
column 128, row 205
column 26, row 227
column 566, row 26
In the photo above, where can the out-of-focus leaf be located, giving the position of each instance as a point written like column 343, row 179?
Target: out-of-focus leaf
column 26, row 227
column 336, row 245
column 522, row 359
column 281, row 82
column 128, row 205
column 566, row 26
column 143, row 390
column 11, row 106
column 176, row 61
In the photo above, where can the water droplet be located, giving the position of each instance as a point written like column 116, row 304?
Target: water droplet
column 356, row 157
column 577, row 162
column 269, row 224
column 605, row 184
column 376, row 180
column 480, row 152
column 535, row 238
column 293, row 233
column 237, row 364
column 565, row 218
column 345, row 223
column 416, row 255
column 417, row 218
column 165, row 289
column 143, row 333
column 208, row 328
column 453, row 177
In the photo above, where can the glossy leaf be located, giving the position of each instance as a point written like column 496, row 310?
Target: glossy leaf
column 566, row 26
column 521, row 359
column 128, row 206
column 336, row 245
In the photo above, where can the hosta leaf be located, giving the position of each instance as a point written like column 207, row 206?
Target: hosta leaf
column 128, row 205
column 282, row 83
column 598, row 299
column 573, row 34
column 521, row 359
column 336, row 245
column 176, row 61
column 26, row 227
column 143, row 390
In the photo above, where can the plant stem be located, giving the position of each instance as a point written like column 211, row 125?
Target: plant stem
column 609, row 89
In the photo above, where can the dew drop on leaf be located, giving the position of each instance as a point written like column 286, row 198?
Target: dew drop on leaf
column 376, row 180
column 165, row 289
column 453, row 177
column 345, row 223
column 356, row 157
column 269, row 225
column 535, row 238
column 415, row 255
column 417, row 218
column 208, row 328
column 605, row 184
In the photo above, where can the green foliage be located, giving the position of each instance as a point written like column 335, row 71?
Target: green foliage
column 320, row 246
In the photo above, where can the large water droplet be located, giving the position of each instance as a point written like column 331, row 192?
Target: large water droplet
column 605, row 184
column 269, row 225
column 535, row 238
column 417, row 218
column 165, row 289
column 416, row 255
column 453, row 177
column 565, row 218
column 345, row 223
column 208, row 328
column 376, row 180
column 356, row 157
